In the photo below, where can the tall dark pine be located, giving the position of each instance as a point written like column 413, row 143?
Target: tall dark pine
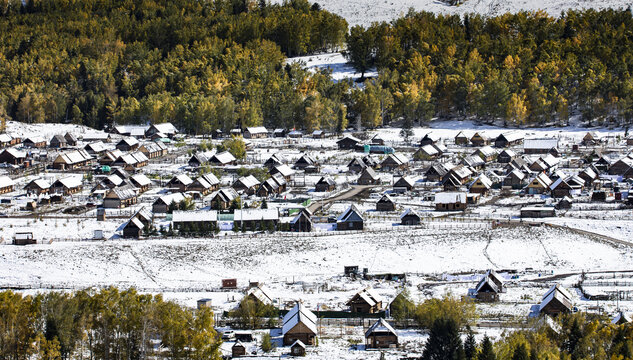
column 520, row 353
column 486, row 353
column 444, row 342
column 470, row 345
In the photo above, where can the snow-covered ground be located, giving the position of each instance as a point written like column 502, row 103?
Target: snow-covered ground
column 364, row 12
column 335, row 62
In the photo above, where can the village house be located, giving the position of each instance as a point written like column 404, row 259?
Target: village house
column 131, row 161
column 279, row 133
column 120, row 197
column 377, row 140
column 515, row 179
column 136, row 131
column 6, row 184
column 273, row 161
column 12, row 156
column 426, row 153
column 200, row 221
column 57, row 141
column 547, row 163
column 450, row 201
column 368, row 177
column 200, row 158
column 133, row 228
column 591, row 139
column 436, row 172
column 621, row 318
column 284, row 170
column 205, row 184
column 589, row 176
column 410, row 217
column 568, row 186
column 395, row 162
column 221, row 199
column 67, row 186
column 356, row 165
column 510, row 138
column 456, row 177
column 128, row 144
column 109, row 182
column 429, row 139
column 154, row 149
column 299, row 324
column 461, row 139
column 404, row 183
column 308, row 164
column 385, row 203
column 256, row 219
column 318, row 134
column 95, row 149
column 348, row 143
column 556, row 300
column 621, row 166
column 274, row 185
column 302, row 222
column 325, row 184
column 481, row 185
column 518, row 163
column 161, row 205
column 381, row 335
column 540, row 146
column 489, row 287
column 222, row 159
column 506, row 156
column 72, row 160
column 480, row 139
column 246, row 184
column 537, row 212
column 8, row 140
column 71, row 140
column 179, row 183
column 259, row 296
column 473, row 162
column 256, row 132
column 486, row 153
column 167, row 129
column 365, row 301
column 34, row 142
column 351, row 219
column 37, row 187
column 295, row 134
column 140, row 182
column 539, row 185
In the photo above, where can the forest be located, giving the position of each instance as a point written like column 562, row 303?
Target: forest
column 222, row 64
column 104, row 324
column 522, row 69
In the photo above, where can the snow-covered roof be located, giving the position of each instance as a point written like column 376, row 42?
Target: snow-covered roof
column 141, row 179
column 349, row 212
column 165, row 128
column 349, row 137
column 6, row 181
column 431, row 136
column 559, row 293
column 74, row 157
column 15, row 153
column 450, row 197
column 484, row 180
column 511, row 136
column 194, row 216
column 5, row 138
column 257, row 130
column 41, row 183
column 380, row 326
column 409, row 211
column 123, row 192
column 182, row 179
column 621, row 317
column 249, row 181
column 255, row 214
column 429, row 150
column 70, row 181
column 299, row 314
column 129, row 141
column 260, row 295
column 97, row 147
column 487, row 151
column 170, row 198
column 284, row 170
column 224, row 157
column 542, row 144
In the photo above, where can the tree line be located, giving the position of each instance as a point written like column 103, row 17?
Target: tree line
column 522, row 69
column 105, row 324
column 202, row 65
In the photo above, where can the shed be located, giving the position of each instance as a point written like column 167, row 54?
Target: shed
column 365, row 301
column 298, row 348
column 386, row 203
column 537, row 212
column 410, row 217
column 351, row 219
column 299, row 324
column 450, row 201
column 556, row 300
column 238, row 349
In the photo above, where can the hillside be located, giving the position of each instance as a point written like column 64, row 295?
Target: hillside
column 364, row 12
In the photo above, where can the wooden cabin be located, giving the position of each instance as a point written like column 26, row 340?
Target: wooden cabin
column 255, row 132
column 238, row 349
column 510, row 138
column 133, row 228
column 37, row 187
column 302, row 222
column 299, row 324
column 6, row 184
column 450, row 201
column 480, row 139
column 58, row 141
column 368, row 176
column 381, row 335
column 12, row 156
column 325, row 184
column 410, row 217
column 556, row 300
column 298, row 348
column 120, row 197
column 351, row 219
column 365, row 301
column 481, row 185
column 348, row 143
column 461, row 139
column 385, row 203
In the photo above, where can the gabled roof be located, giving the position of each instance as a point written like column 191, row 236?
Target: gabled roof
column 431, row 137
column 15, row 153
column 122, row 193
column 257, row 130
column 540, row 144
column 129, row 141
column 518, row 174
column 386, row 198
column 511, row 136
column 249, row 181
column 283, row 169
column 6, row 181
column 408, row 212
column 368, row 295
column 73, row 157
column 141, row 180
column 179, row 216
column 299, row 315
column 165, row 128
column 225, row 194
column 406, row 180
column 326, row 180
column 559, row 293
column 369, row 172
column 5, row 138
column 509, row 153
column 96, row 147
column 485, row 181
column 349, row 137
column 224, row 157
column 170, row 198
column 621, row 318
column 69, row 182
column 380, row 326
column 429, row 150
column 351, row 214
column 260, row 295
column 182, row 179
column 40, row 183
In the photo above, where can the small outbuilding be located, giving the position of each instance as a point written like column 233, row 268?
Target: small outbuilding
column 381, row 335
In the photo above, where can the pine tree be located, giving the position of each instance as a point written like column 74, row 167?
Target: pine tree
column 470, row 345
column 520, row 353
column 444, row 342
column 487, row 352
